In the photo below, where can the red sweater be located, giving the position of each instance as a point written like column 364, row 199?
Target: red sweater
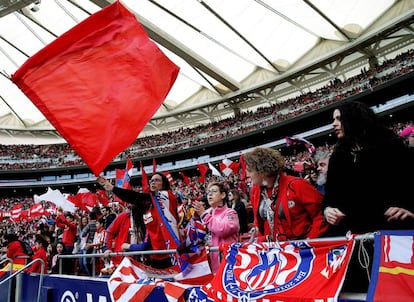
column 37, row 266
column 69, row 230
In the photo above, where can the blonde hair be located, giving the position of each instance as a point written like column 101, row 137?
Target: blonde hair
column 264, row 160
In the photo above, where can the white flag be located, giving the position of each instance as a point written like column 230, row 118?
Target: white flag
column 57, row 198
column 214, row 170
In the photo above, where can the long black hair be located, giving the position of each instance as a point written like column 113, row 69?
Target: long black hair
column 361, row 126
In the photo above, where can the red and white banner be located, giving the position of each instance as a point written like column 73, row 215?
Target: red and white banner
column 16, row 212
column 37, row 210
column 134, row 281
column 289, row 271
column 393, row 267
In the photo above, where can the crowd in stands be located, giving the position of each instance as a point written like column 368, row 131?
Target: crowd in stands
column 58, row 232
column 61, row 155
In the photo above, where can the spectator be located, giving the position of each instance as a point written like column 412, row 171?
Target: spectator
column 40, row 253
column 322, row 161
column 66, row 221
column 285, row 207
column 15, row 251
column 60, row 250
column 238, row 205
column 366, row 169
column 108, row 215
column 128, row 227
column 159, row 208
column 408, row 135
column 221, row 221
column 87, row 233
column 368, row 165
column 98, row 243
column 50, row 253
column 185, row 213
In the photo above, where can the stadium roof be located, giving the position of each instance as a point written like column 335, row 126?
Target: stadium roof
column 233, row 55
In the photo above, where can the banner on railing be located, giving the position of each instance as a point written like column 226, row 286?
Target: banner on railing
column 392, row 277
column 288, row 271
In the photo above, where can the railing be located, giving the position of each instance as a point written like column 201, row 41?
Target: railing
column 17, row 273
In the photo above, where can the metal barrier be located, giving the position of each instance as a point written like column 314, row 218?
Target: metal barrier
column 17, row 273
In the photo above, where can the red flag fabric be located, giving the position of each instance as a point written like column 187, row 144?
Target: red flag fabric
column 86, row 199
column 154, row 166
column 393, row 267
column 185, row 178
column 145, row 183
column 36, row 210
column 242, row 163
column 131, row 280
column 99, row 83
column 16, row 211
column 203, row 170
column 287, row 271
column 103, row 197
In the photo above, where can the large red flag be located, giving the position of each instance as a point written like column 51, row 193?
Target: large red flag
column 99, row 83
column 154, row 166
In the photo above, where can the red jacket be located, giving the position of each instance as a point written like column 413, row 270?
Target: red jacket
column 37, row 266
column 300, row 203
column 117, row 234
column 15, row 249
column 69, row 230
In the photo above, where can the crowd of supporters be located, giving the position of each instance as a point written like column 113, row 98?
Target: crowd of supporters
column 61, row 155
column 49, row 225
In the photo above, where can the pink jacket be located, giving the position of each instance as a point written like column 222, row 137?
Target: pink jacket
column 223, row 225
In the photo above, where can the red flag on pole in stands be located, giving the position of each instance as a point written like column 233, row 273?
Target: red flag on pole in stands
column 203, row 170
column 144, row 181
column 99, row 83
column 242, row 163
column 185, row 178
column 154, row 166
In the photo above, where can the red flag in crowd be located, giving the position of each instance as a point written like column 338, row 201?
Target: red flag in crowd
column 96, row 92
column 185, row 178
column 242, row 163
column 154, row 166
column 203, row 170
column 103, row 197
column 229, row 167
column 393, row 267
column 169, row 177
column 84, row 199
column 16, row 211
column 145, row 183
column 36, row 210
column 123, row 177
